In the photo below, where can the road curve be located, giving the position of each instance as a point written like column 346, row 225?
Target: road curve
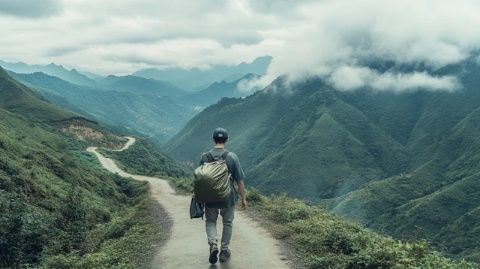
column 252, row 246
column 131, row 141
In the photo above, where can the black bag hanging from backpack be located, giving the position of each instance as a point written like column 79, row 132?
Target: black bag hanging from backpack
column 196, row 209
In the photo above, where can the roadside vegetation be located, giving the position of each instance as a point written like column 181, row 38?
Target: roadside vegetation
column 58, row 209
column 323, row 240
column 128, row 240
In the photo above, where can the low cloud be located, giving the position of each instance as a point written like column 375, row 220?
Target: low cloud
column 338, row 39
column 351, row 78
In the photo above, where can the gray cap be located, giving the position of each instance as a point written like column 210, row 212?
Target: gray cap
column 220, row 133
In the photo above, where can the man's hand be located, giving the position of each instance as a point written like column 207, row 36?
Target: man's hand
column 241, row 189
column 244, row 204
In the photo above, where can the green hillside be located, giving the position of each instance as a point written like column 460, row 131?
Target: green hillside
column 403, row 163
column 145, row 112
column 17, row 98
column 58, row 208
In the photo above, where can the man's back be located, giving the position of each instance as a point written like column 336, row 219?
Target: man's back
column 234, row 168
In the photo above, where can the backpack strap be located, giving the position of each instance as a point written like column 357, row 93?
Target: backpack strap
column 209, row 157
column 224, row 157
column 225, row 154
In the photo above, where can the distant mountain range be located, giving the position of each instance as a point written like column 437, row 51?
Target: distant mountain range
column 148, row 107
column 52, row 69
column 195, row 78
column 148, row 112
column 403, row 163
column 189, row 79
column 134, row 84
column 216, row 91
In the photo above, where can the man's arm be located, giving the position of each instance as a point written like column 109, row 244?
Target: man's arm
column 238, row 175
column 241, row 189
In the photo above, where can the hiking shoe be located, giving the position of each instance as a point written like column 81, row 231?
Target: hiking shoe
column 225, row 255
column 213, row 254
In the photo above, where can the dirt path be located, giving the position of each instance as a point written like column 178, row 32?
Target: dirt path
column 131, row 141
column 252, row 246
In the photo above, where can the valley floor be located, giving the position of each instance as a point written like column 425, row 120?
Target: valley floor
column 252, row 246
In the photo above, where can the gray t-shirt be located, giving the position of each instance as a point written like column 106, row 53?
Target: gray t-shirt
column 234, row 168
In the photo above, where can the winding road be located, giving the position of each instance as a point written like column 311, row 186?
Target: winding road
column 252, row 246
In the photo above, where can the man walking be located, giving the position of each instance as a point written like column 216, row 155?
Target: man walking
column 225, row 209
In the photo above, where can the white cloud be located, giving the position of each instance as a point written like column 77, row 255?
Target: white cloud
column 304, row 37
column 336, row 33
column 347, row 78
column 351, row 78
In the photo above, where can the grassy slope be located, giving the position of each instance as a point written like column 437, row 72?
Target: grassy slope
column 322, row 240
column 17, row 98
column 58, row 208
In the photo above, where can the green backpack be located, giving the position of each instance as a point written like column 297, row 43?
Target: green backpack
column 212, row 180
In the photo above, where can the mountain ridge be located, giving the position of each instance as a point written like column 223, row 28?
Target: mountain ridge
column 139, row 85
column 72, row 76
column 149, row 114
column 196, row 78
column 367, row 155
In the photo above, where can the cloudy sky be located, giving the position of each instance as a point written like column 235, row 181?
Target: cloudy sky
column 331, row 38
